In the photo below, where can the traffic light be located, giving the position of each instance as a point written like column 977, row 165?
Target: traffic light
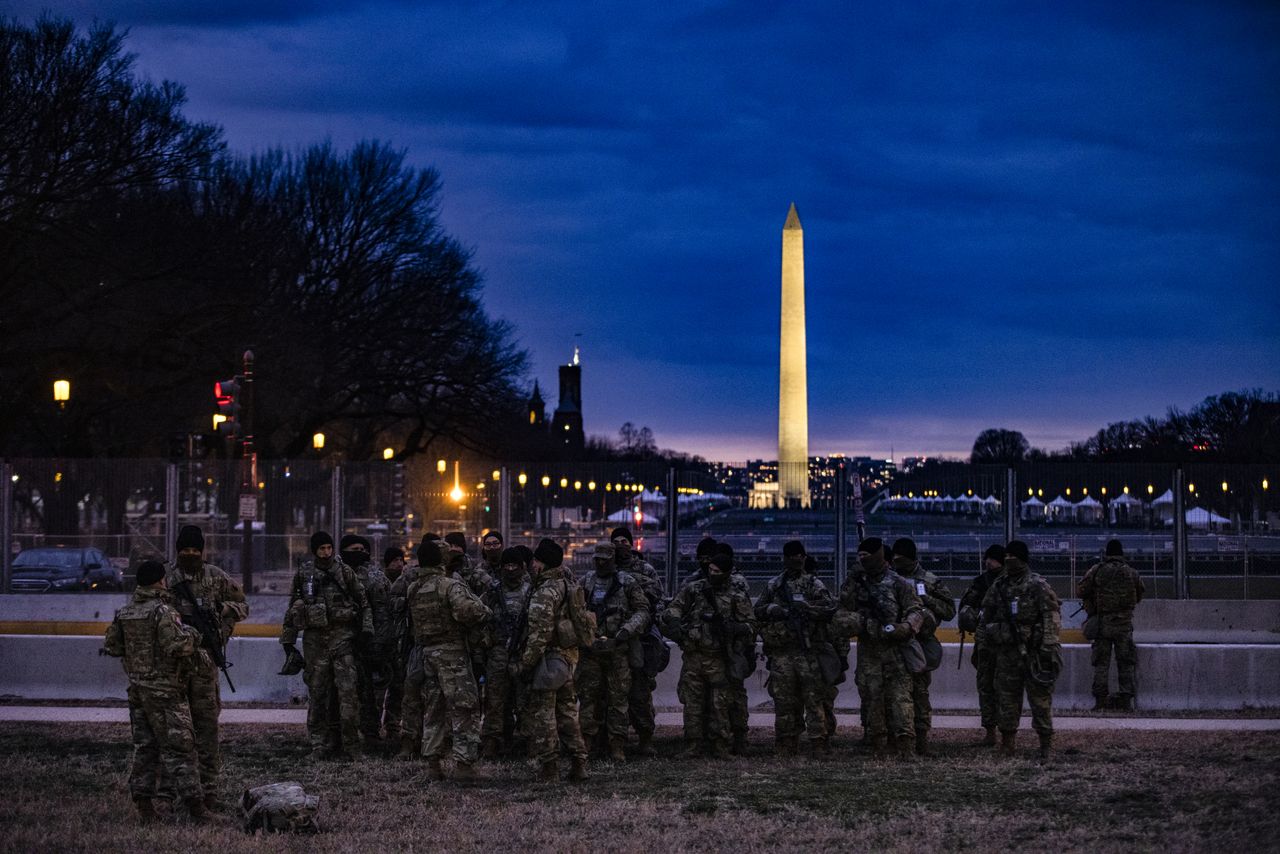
column 227, row 395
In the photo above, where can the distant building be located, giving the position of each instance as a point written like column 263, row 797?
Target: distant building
column 566, row 421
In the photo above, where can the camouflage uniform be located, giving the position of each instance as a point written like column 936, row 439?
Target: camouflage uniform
column 795, row 681
column 551, row 712
column 156, row 648
column 329, row 607
column 739, row 711
column 442, row 609
column 214, row 590
column 376, row 655
column 984, row 659
column 709, row 619
column 939, row 607
column 604, row 673
column 1025, row 599
column 504, row 696
column 404, row 698
column 640, row 712
column 868, row 604
column 1111, row 589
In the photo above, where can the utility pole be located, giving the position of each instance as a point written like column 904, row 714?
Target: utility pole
column 248, row 477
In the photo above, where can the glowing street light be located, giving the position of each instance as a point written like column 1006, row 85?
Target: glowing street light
column 456, row 493
column 442, row 466
column 61, row 392
column 564, row 481
column 546, row 480
column 317, row 441
column 388, row 453
column 522, row 479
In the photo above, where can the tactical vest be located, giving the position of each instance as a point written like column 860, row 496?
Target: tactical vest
column 429, row 607
column 1115, row 589
column 138, row 627
column 336, row 607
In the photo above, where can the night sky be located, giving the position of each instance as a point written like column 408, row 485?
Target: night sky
column 1042, row 216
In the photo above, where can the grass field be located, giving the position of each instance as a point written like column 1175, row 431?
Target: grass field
column 64, row 790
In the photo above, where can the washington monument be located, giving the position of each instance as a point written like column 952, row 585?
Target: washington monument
column 793, row 384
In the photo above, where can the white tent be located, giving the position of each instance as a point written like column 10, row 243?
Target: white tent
column 1033, row 508
column 1124, row 508
column 1199, row 517
column 1088, row 510
column 1163, row 507
column 1060, row 510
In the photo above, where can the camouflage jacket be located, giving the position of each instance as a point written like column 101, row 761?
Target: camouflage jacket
column 933, row 594
column 442, row 608
column 650, row 581
column 377, row 591
column 1111, row 587
column 331, row 602
column 212, row 589
column 870, row 605
column 803, row 624
column 711, row 618
column 508, row 605
column 737, row 581
column 618, row 601
column 1028, row 603
column 547, row 607
column 470, row 572
column 149, row 635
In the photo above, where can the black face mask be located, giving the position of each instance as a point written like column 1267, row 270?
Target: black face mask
column 355, row 558
column 869, row 566
column 718, row 579
column 190, row 563
column 622, row 552
column 512, row 575
column 793, row 564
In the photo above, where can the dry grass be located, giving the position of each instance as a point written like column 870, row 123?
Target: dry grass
column 64, row 790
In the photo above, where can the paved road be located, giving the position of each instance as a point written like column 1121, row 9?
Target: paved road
column 91, row 714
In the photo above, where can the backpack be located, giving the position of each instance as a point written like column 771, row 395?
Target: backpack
column 1115, row 588
column 580, row 616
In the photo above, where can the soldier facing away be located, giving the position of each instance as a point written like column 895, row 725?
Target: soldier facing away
column 156, row 647
column 1021, row 620
column 983, row 658
column 1110, row 590
column 327, row 604
column 939, row 607
column 191, row 584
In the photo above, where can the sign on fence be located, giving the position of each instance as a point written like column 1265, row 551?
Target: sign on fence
column 249, row 507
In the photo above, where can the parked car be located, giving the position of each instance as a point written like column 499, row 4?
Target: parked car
column 57, row 568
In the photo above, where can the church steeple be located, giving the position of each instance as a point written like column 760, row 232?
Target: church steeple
column 537, row 408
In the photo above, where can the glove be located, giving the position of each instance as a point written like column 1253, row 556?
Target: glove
column 901, row 631
column 293, row 661
column 623, row 635
column 775, row 611
column 741, row 631
column 601, row 645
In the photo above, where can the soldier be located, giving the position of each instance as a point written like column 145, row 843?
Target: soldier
column 641, row 713
column 442, row 609
column 393, row 566
column 841, row 646
column 984, row 660
column 1110, row 590
column 1021, row 619
column 551, row 711
column 374, row 667
column 392, row 563
column 939, row 607
column 327, row 604
column 410, row 656
column 192, row 584
column 791, row 612
column 149, row 635
column 491, row 553
column 463, row 567
column 713, row 622
column 604, row 670
column 508, row 599
column 881, row 609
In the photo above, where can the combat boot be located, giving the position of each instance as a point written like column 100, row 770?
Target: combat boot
column 990, row 739
column 199, row 815
column 820, row 748
column 435, row 772
column 739, row 747
column 408, row 750
column 491, row 748
column 549, row 772
column 645, row 745
column 618, row 749
column 146, row 811
column 1099, row 703
column 578, row 770
column 211, row 802
column 1008, row 741
column 464, row 772
column 372, row 746
column 718, row 749
column 692, row 750
column 1124, row 703
column 1046, row 746
column 906, row 747
column 786, row 746
column 922, row 743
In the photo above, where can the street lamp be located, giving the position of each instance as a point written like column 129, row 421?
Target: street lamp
column 388, row 453
column 522, row 479
column 317, row 441
column 442, row 466
column 546, row 480
column 61, row 392
column 456, row 492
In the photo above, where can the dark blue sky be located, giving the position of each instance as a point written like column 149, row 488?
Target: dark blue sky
column 1044, row 216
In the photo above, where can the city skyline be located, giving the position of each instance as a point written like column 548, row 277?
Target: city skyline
column 1042, row 219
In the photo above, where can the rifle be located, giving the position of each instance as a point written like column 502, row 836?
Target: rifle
column 520, row 627
column 206, row 623
column 796, row 622
column 960, row 660
column 725, row 635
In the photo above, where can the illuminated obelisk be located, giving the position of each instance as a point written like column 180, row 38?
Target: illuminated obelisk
column 793, row 384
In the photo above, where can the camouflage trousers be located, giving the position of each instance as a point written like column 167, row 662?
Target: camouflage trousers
column 204, row 699
column 707, row 697
column 331, row 669
column 373, row 699
column 984, row 660
column 552, row 722
column 640, row 711
column 451, row 703
column 1115, row 633
column 921, row 707
column 395, row 697
column 739, row 713
column 411, row 691
column 885, row 687
column 160, row 722
column 1011, row 683
column 604, row 692
column 504, row 697
column 797, row 691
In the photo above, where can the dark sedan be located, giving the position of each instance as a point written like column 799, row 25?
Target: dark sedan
column 48, row 570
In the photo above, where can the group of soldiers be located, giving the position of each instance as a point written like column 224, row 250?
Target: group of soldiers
column 457, row 659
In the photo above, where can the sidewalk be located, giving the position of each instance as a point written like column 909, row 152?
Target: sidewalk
column 90, row 714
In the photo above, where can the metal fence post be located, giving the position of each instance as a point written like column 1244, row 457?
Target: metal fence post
column 171, row 512
column 504, row 504
column 335, row 502
column 841, row 556
column 6, row 528
column 1180, row 588
column 1010, row 505
column 673, row 527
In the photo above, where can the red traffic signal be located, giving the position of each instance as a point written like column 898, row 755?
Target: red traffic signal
column 227, row 396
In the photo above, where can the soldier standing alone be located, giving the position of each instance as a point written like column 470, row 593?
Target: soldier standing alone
column 1110, row 590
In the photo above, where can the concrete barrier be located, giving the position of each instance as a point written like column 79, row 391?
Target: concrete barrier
column 1172, row 677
